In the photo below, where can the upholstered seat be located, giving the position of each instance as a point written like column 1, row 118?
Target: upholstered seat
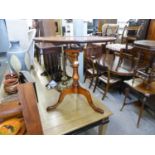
column 112, row 80
column 125, row 39
column 108, row 30
column 118, row 47
column 92, row 71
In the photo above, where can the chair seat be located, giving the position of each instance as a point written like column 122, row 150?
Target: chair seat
column 91, row 71
column 118, row 47
column 111, row 81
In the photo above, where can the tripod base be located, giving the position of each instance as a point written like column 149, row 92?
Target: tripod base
column 65, row 83
column 78, row 90
column 75, row 88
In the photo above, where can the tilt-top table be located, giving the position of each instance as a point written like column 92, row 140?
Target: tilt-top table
column 76, row 45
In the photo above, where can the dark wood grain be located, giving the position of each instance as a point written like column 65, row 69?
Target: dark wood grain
column 145, row 44
column 151, row 31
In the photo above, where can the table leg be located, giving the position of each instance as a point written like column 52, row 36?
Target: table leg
column 126, row 95
column 102, row 129
column 141, row 112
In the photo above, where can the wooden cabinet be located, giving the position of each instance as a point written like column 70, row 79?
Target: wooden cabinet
column 151, row 32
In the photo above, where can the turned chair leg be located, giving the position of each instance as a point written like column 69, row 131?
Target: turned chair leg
column 95, row 85
column 85, row 79
column 126, row 95
column 106, row 91
column 141, row 112
column 91, row 82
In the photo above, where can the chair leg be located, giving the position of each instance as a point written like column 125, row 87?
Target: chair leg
column 106, row 91
column 39, row 58
column 141, row 112
column 91, row 82
column 85, row 78
column 104, row 95
column 95, row 85
column 126, row 95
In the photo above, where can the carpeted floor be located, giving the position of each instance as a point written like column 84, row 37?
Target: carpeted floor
column 123, row 123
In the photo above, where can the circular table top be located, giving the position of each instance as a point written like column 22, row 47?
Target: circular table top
column 145, row 44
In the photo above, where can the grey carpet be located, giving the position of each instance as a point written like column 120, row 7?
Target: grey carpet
column 123, row 123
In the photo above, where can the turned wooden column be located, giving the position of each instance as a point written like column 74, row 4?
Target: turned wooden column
column 75, row 88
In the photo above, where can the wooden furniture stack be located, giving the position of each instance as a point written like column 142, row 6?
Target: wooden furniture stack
column 26, row 107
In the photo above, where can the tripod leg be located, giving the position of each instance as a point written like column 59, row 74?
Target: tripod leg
column 86, row 93
column 61, row 97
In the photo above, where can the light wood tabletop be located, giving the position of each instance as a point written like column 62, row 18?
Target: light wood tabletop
column 72, row 114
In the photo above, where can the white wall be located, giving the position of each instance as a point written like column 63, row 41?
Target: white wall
column 18, row 30
column 68, row 27
column 80, row 29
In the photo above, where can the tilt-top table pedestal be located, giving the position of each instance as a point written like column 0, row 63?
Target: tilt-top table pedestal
column 75, row 88
column 73, row 53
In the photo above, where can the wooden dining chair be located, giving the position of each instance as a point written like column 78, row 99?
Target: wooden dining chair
column 110, row 30
column 145, row 97
column 127, row 64
column 127, row 40
column 91, row 54
column 114, row 68
column 104, row 74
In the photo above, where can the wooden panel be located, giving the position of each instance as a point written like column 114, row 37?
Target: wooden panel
column 10, row 109
column 27, row 98
column 151, row 32
column 100, row 25
column 47, row 27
